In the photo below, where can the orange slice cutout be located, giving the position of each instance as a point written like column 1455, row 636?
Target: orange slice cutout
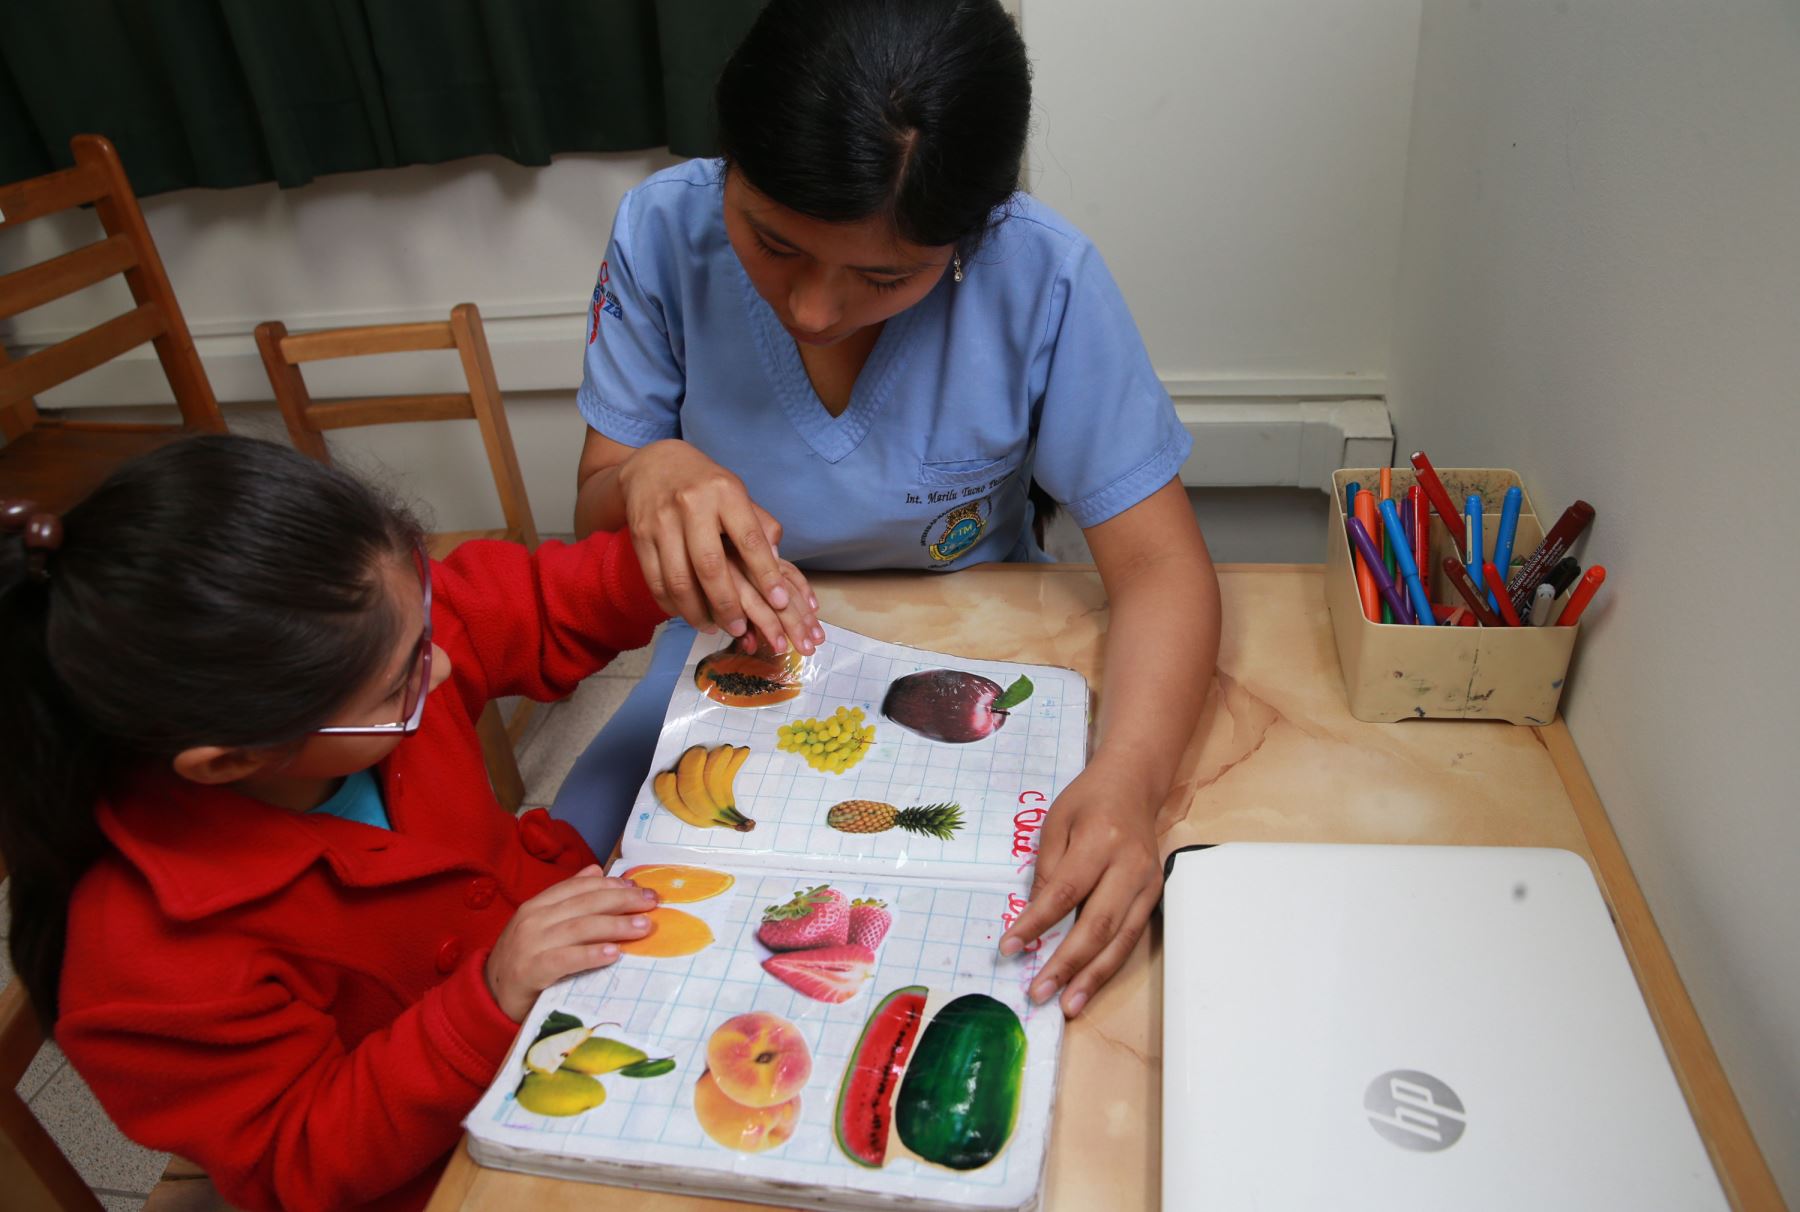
column 675, row 884
column 672, row 933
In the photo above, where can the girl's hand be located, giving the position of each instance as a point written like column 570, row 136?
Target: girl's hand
column 681, row 508
column 1097, row 850
column 768, row 626
column 571, row 927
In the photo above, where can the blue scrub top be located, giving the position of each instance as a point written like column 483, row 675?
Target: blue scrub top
column 1031, row 367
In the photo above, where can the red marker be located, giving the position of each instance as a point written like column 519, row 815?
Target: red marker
column 1452, row 616
column 1555, row 546
column 1415, row 501
column 1506, row 607
column 1440, row 498
column 1465, row 585
column 1591, row 580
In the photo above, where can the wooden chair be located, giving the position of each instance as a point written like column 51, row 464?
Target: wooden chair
column 307, row 420
column 58, row 461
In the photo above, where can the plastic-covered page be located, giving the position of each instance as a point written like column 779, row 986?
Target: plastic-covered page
column 795, row 1040
column 865, row 756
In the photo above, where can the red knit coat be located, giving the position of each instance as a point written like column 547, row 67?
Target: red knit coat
column 297, row 1002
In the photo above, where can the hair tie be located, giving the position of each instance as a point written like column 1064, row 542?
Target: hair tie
column 42, row 531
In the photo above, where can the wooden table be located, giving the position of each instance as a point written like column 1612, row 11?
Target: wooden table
column 1277, row 757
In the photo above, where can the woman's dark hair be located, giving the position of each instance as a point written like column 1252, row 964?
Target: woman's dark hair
column 219, row 591
column 914, row 109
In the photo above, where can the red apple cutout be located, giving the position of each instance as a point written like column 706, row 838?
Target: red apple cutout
column 952, row 706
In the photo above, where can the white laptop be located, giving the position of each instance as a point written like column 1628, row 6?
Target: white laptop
column 1410, row 1027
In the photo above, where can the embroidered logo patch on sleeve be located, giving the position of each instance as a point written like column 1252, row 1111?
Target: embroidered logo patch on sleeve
column 604, row 300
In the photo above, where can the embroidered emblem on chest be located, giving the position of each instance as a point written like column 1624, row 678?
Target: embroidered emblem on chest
column 953, row 532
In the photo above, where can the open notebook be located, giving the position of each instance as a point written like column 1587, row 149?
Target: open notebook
column 821, row 1015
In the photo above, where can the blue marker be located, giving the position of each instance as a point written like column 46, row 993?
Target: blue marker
column 1476, row 550
column 1390, row 517
column 1503, row 537
column 1350, row 491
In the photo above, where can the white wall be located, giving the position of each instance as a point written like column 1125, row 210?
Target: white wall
column 1600, row 286
column 1239, row 162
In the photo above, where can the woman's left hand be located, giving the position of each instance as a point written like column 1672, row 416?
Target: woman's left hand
column 1098, row 851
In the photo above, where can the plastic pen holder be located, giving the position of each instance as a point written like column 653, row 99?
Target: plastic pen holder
column 1397, row 672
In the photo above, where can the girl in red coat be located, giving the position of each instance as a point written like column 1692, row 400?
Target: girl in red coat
column 260, row 885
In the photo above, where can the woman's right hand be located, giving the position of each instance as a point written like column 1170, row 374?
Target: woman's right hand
column 681, row 507
column 570, row 927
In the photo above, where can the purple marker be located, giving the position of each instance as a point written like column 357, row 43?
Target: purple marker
column 1360, row 536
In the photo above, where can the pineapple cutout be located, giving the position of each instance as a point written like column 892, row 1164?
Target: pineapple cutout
column 867, row 816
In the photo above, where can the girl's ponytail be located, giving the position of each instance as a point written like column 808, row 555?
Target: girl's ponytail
column 218, row 591
column 50, row 769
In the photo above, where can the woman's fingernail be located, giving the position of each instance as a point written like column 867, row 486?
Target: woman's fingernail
column 647, row 894
column 737, row 627
column 813, row 600
column 778, row 598
column 818, row 633
column 1011, row 946
column 640, row 923
column 780, row 644
column 609, row 951
column 1076, row 1003
column 1043, row 991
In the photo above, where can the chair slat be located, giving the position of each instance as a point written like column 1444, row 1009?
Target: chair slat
column 24, row 201
column 388, row 410
column 370, row 339
column 36, row 285
column 63, row 361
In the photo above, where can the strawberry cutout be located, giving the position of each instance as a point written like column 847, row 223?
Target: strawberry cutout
column 818, row 917
column 825, row 974
column 869, row 922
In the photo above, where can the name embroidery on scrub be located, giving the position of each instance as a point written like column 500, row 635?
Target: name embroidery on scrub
column 957, row 530
column 604, row 300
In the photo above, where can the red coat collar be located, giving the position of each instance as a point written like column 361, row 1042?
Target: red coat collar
column 205, row 850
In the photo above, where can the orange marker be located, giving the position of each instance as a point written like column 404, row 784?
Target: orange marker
column 1365, row 576
column 1590, row 583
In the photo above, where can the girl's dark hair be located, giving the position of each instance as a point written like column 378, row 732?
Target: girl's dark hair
column 914, row 109
column 219, row 591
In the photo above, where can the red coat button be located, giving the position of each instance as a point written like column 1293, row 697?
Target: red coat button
column 449, row 955
column 480, row 892
column 537, row 836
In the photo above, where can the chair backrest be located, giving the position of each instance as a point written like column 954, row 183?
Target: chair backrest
column 98, row 179
column 307, row 419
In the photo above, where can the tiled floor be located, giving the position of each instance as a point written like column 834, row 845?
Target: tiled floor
column 122, row 1174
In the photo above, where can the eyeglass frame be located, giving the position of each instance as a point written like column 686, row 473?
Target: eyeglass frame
column 409, row 723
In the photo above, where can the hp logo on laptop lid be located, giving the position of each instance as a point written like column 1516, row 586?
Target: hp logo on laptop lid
column 1415, row 1110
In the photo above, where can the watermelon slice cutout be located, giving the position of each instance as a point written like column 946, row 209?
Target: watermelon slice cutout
column 866, row 1097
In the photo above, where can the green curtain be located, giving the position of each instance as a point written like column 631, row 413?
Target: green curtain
column 221, row 93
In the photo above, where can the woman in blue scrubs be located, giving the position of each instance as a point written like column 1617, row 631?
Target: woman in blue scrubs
column 851, row 344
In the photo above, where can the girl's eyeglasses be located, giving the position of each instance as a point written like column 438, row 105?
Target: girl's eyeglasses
column 418, row 684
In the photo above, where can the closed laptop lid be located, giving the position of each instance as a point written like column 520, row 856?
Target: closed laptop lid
column 1387, row 1027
